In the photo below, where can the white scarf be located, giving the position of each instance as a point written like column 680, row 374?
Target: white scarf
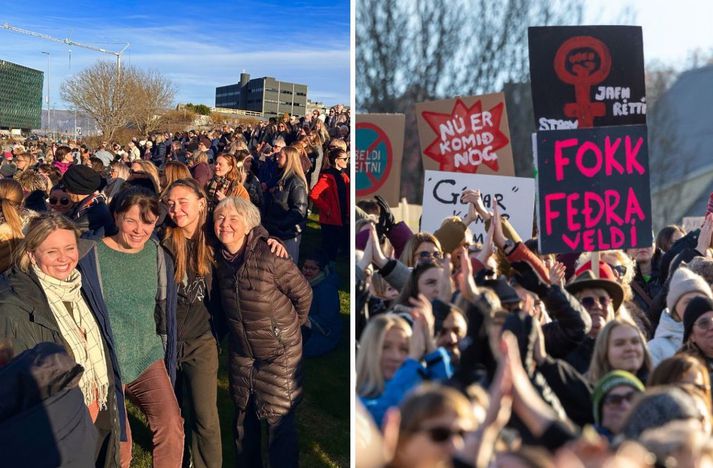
column 81, row 332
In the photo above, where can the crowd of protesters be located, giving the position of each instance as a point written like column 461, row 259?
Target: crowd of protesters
column 495, row 355
column 124, row 268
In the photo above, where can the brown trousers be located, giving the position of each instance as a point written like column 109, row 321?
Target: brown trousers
column 153, row 394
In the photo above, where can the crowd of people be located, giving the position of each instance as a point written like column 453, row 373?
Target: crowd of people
column 494, row 354
column 126, row 266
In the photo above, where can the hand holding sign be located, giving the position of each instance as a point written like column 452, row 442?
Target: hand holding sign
column 704, row 237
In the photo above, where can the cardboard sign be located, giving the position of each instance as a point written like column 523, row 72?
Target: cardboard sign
column 515, row 197
column 379, row 149
column 587, row 76
column 466, row 134
column 691, row 223
column 593, row 189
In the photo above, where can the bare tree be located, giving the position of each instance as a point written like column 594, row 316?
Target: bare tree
column 116, row 100
column 103, row 94
column 413, row 51
column 152, row 95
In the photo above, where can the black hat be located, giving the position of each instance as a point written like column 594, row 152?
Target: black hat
column 697, row 307
column 81, row 180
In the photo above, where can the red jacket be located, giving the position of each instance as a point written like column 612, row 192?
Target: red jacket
column 325, row 197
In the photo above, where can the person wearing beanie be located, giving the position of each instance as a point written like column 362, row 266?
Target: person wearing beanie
column 684, row 287
column 696, row 322
column 612, row 399
column 89, row 210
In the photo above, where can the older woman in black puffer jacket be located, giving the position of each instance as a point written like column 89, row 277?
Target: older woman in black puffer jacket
column 265, row 300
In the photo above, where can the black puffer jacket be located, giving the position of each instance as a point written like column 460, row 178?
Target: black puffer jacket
column 265, row 300
column 285, row 209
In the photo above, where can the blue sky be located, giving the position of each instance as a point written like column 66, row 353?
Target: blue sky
column 198, row 44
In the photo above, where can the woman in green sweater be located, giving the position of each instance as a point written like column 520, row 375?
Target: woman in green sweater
column 140, row 293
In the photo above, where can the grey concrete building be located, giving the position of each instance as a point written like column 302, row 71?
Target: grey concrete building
column 267, row 95
column 680, row 142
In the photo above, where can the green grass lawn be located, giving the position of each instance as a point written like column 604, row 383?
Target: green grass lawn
column 323, row 415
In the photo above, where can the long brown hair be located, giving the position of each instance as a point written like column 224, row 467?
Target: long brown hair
column 10, row 202
column 202, row 260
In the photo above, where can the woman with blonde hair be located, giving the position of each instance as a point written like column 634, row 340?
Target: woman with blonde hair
column 389, row 360
column 620, row 345
column 285, row 211
column 422, row 246
column 118, row 174
column 12, row 220
column 54, row 295
column 11, row 198
column 227, row 181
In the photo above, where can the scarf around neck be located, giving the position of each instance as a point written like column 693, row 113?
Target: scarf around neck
column 80, row 331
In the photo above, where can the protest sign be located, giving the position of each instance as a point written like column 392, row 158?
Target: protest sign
column 515, row 197
column 466, row 134
column 593, row 189
column 379, row 149
column 691, row 223
column 587, row 76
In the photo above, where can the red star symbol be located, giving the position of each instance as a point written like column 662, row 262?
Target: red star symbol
column 459, row 120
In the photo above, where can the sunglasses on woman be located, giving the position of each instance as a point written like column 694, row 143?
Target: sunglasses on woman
column 440, row 435
column 427, row 255
column 63, row 201
column 589, row 301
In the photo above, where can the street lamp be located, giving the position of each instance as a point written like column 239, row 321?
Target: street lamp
column 49, row 102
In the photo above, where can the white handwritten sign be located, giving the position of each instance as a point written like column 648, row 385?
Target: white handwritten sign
column 515, row 197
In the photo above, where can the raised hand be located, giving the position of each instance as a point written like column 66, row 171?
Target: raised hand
column 704, row 236
column 498, row 236
column 557, row 273
column 445, row 286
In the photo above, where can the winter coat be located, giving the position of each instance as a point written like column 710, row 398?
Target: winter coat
column 325, row 317
column 325, row 196
column 581, row 357
column 411, row 374
column 285, row 210
column 667, row 340
column 43, row 418
column 252, row 185
column 26, row 318
column 265, row 300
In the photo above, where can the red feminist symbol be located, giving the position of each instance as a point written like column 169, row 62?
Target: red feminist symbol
column 583, row 61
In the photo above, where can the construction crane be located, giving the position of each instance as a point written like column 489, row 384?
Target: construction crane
column 69, row 42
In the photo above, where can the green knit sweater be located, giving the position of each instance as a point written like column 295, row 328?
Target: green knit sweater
column 129, row 283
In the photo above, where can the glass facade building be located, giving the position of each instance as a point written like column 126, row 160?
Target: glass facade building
column 20, row 96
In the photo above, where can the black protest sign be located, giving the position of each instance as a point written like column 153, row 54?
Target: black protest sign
column 593, row 189
column 587, row 76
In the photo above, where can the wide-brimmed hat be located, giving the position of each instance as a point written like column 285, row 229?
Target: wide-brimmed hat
column 585, row 279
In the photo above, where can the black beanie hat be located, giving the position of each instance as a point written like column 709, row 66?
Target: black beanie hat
column 697, row 307
column 81, row 180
